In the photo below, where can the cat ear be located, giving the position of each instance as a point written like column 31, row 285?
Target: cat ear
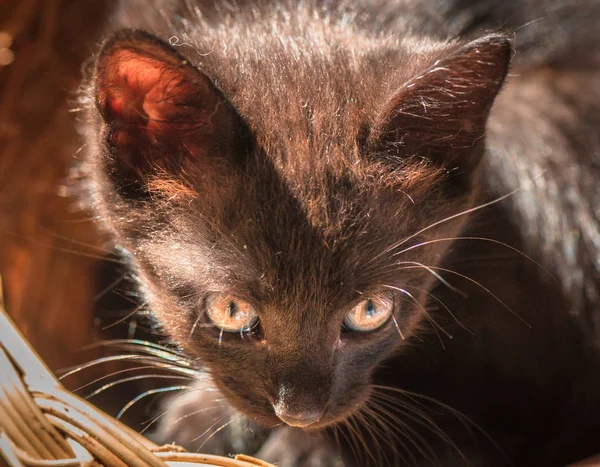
column 159, row 110
column 441, row 115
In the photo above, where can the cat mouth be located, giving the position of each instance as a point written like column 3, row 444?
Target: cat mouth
column 308, row 421
column 304, row 419
column 328, row 420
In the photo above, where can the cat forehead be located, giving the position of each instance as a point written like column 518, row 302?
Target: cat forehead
column 304, row 87
column 295, row 242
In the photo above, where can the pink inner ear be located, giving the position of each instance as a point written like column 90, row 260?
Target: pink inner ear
column 142, row 90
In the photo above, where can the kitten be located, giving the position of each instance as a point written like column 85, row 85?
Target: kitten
column 357, row 227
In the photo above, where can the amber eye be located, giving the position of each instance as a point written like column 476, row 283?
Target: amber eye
column 230, row 313
column 369, row 314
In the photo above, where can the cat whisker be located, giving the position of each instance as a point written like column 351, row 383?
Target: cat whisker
column 398, row 327
column 467, row 422
column 91, row 246
column 432, row 271
column 385, row 431
column 145, row 394
column 554, row 9
column 137, row 342
column 146, row 347
column 442, row 221
column 219, row 420
column 488, row 291
column 133, row 378
column 82, row 220
column 63, row 249
column 110, row 286
column 480, row 239
column 66, row 372
column 126, row 317
column 368, row 426
column 195, row 325
column 473, row 281
column 151, row 421
column 434, row 324
column 405, row 430
column 443, row 305
column 349, row 434
column 529, row 23
column 355, row 426
column 183, row 417
column 139, row 358
column 336, row 435
column 414, row 406
column 222, row 427
column 412, row 413
column 418, row 418
column 115, row 373
column 162, row 356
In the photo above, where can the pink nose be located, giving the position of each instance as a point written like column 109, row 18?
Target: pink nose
column 299, row 419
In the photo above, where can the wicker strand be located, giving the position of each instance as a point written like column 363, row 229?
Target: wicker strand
column 47, row 434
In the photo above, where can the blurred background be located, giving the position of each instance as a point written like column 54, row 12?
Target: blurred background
column 61, row 285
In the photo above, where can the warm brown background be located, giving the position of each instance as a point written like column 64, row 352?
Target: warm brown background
column 47, row 244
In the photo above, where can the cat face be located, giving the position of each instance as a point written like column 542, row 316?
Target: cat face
column 290, row 262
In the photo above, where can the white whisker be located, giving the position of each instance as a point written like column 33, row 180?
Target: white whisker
column 467, row 422
column 449, row 271
column 397, row 327
column 145, row 394
column 219, row 420
column 431, row 270
column 132, row 378
column 481, row 239
column 126, row 317
column 433, row 322
column 446, row 219
column 150, row 422
column 443, row 304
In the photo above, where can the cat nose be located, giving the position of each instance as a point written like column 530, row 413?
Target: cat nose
column 298, row 419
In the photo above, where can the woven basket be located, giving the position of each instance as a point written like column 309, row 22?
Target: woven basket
column 43, row 424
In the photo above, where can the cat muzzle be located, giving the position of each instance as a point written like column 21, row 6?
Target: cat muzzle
column 298, row 419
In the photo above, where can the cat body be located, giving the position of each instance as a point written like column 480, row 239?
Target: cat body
column 311, row 162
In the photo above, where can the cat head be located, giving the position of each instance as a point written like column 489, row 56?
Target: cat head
column 286, row 230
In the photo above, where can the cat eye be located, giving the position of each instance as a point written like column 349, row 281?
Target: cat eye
column 369, row 314
column 231, row 314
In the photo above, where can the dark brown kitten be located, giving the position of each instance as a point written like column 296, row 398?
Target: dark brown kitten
column 302, row 190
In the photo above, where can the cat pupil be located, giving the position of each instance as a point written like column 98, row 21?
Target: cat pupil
column 370, row 309
column 232, row 308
